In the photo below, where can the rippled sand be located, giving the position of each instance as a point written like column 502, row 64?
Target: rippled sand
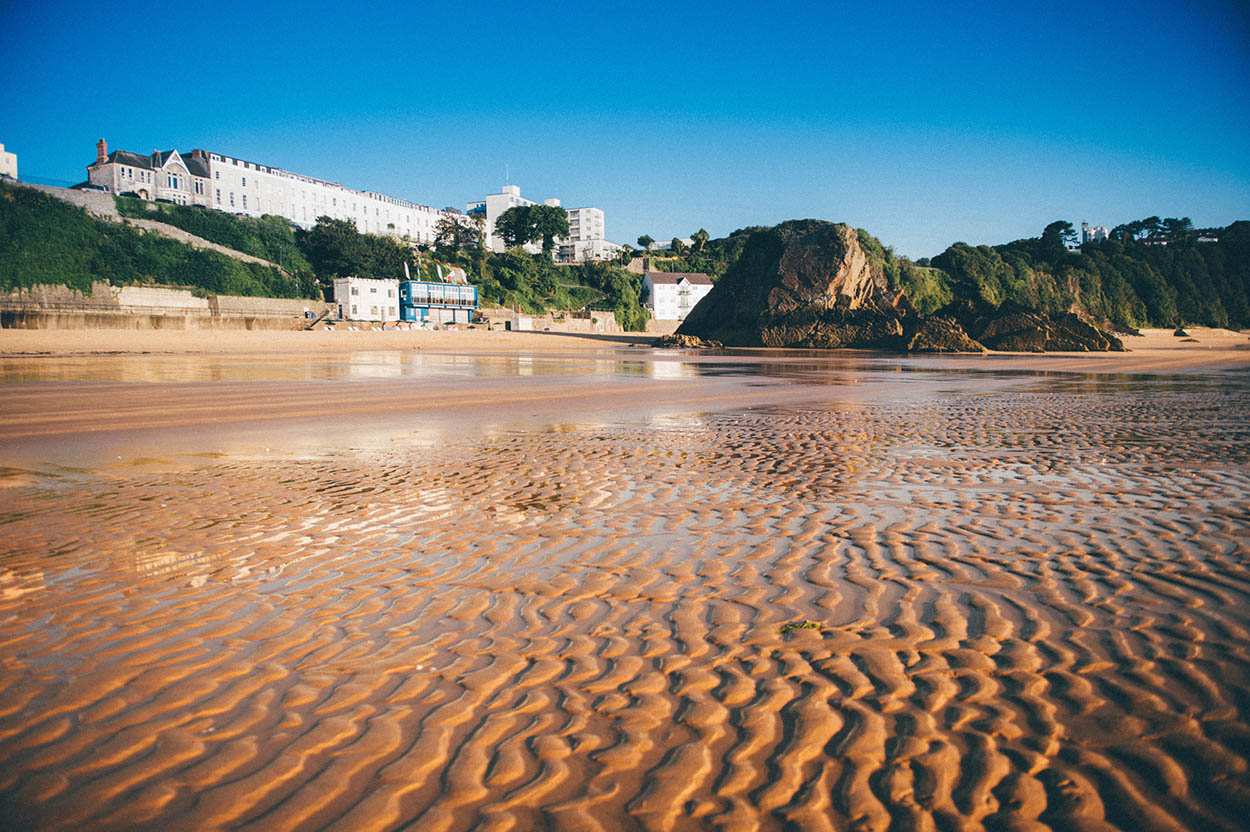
column 1032, row 593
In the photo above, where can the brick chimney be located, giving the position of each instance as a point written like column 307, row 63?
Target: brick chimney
column 101, row 151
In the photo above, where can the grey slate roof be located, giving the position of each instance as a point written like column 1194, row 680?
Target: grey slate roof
column 697, row 278
column 134, row 160
column 196, row 165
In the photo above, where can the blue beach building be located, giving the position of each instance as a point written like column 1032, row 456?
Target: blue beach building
column 436, row 302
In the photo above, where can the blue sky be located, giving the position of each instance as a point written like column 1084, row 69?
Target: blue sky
column 925, row 123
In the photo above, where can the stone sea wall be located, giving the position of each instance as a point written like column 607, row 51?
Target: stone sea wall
column 147, row 307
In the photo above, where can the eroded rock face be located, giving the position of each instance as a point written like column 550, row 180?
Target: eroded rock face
column 685, row 342
column 939, row 333
column 805, row 283
column 1015, row 328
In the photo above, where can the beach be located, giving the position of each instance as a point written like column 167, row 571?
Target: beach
column 493, row 580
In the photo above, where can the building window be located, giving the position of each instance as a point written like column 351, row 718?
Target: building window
column 245, row 181
column 218, row 173
column 245, row 202
column 373, row 290
column 219, row 196
column 355, row 291
column 232, row 199
column 353, row 309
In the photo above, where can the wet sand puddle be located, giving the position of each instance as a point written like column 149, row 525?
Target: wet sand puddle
column 1032, row 612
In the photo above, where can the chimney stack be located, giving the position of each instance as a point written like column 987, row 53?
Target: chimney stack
column 101, row 152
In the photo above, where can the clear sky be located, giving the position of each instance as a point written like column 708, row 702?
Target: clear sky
column 923, row 122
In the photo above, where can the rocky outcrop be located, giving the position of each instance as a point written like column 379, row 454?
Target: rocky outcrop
column 808, row 284
column 1015, row 328
column 939, row 333
column 805, row 283
column 685, row 342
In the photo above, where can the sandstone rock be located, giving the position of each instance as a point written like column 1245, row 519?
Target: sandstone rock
column 805, row 283
column 1015, row 328
column 941, row 334
column 685, row 342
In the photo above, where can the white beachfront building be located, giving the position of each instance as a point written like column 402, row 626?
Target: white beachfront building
column 366, row 299
column 586, row 239
column 237, row 186
column 671, row 295
column 8, row 163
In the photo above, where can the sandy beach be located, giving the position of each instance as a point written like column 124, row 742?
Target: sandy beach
column 482, row 580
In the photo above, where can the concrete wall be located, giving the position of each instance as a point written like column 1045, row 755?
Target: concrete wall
column 599, row 322
column 148, row 307
column 94, row 201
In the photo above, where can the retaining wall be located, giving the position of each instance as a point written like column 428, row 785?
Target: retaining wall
column 148, row 307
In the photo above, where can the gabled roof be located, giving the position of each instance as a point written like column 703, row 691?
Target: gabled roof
column 697, row 278
column 196, row 165
column 125, row 157
column 163, row 157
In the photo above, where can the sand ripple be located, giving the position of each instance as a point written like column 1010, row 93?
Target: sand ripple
column 1033, row 613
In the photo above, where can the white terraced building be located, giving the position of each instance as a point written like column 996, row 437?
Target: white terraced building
column 237, row 186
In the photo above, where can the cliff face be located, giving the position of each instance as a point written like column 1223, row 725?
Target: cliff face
column 808, row 284
column 805, row 283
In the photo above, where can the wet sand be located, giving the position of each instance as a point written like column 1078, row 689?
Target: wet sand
column 521, row 586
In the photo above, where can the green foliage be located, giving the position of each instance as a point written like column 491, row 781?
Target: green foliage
column 44, row 240
column 532, row 283
column 646, row 241
column 805, row 624
column 1123, row 279
column 336, row 249
column 456, row 233
column 269, row 237
column 523, row 224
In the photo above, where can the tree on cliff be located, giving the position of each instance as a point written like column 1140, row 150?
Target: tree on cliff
column 454, row 233
column 646, row 241
column 514, row 226
column 334, row 248
column 549, row 222
column 523, row 224
column 1056, row 238
column 700, row 239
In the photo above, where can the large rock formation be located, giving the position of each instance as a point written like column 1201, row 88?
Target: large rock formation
column 1015, row 328
column 808, row 284
column 805, row 283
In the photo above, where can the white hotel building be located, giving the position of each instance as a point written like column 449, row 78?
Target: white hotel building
column 585, row 240
column 225, row 183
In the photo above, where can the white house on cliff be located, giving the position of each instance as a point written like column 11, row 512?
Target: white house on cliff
column 671, row 295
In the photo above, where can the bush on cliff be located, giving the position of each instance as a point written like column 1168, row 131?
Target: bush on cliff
column 269, row 237
column 47, row 241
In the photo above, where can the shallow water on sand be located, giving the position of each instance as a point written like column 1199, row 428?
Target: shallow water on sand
column 1032, row 593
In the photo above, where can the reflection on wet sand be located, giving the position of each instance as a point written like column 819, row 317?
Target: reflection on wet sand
column 1031, row 602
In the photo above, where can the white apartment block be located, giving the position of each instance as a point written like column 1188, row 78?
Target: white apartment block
column 1093, row 234
column 8, row 163
column 586, row 238
column 366, row 299
column 671, row 295
column 237, row 186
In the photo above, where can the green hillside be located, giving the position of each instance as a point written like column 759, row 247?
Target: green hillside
column 44, row 240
